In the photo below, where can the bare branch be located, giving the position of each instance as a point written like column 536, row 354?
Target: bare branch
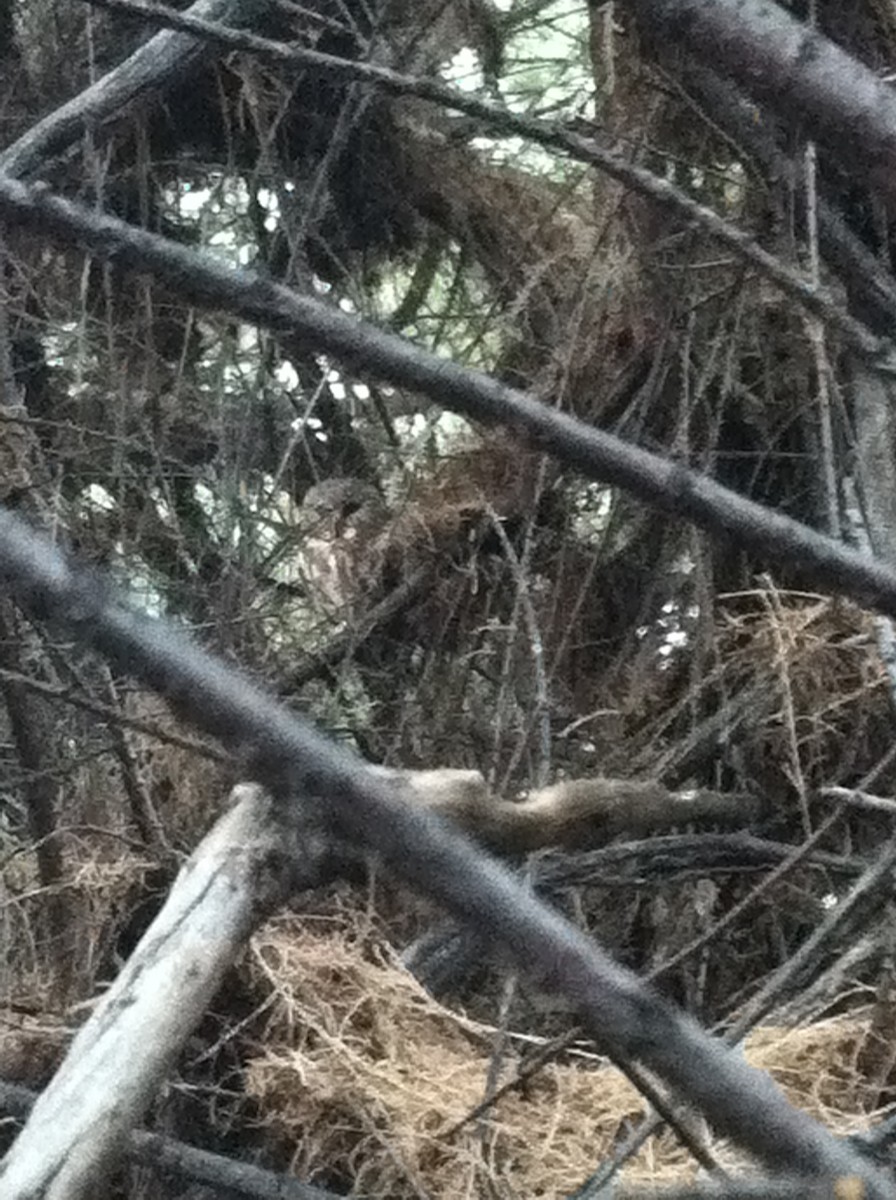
column 171, row 1156
column 631, row 1021
column 785, row 1188
column 249, row 863
column 861, row 799
column 631, row 860
column 160, row 61
column 674, row 488
column 869, row 284
column 805, row 77
column 580, row 149
column 343, row 644
column 874, row 883
column 576, row 813
column 115, row 716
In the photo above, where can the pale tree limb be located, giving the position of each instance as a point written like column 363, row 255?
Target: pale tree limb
column 677, row 490
column 575, row 813
column 628, row 1019
column 870, row 493
column 861, row 799
column 252, row 860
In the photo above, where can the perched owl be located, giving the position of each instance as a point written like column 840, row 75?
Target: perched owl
column 341, row 521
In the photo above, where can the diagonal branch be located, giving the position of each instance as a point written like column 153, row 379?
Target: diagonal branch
column 806, row 78
column 345, row 643
column 247, row 865
column 632, row 1022
column 163, row 59
column 498, row 118
column 871, row 287
column 672, row 487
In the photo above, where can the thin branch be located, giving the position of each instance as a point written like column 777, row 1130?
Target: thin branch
column 31, row 736
column 115, row 716
column 874, row 884
column 345, row 643
column 293, row 760
column 874, row 495
column 543, row 133
column 861, row 799
column 681, row 1123
column 167, row 1155
column 790, row 857
column 779, row 984
column 653, row 859
column 796, row 856
column 718, row 101
column 359, row 346
column 541, row 712
column 163, row 59
column 807, row 79
column 784, row 1188
column 774, row 609
column 824, row 375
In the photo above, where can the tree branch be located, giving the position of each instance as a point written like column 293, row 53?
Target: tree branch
column 294, row 761
column 871, row 288
column 159, row 62
column 500, row 119
column 167, row 1155
column 677, row 490
column 249, row 863
column 805, row 77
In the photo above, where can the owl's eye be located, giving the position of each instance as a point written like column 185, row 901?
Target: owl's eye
column 350, row 506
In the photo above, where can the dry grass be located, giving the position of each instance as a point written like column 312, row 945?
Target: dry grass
column 363, row 1074
column 366, row 1075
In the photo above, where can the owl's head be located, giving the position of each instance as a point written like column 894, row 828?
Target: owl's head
column 333, row 503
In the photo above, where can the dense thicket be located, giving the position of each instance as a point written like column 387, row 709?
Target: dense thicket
column 435, row 592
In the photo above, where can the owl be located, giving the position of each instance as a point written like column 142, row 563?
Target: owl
column 342, row 520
